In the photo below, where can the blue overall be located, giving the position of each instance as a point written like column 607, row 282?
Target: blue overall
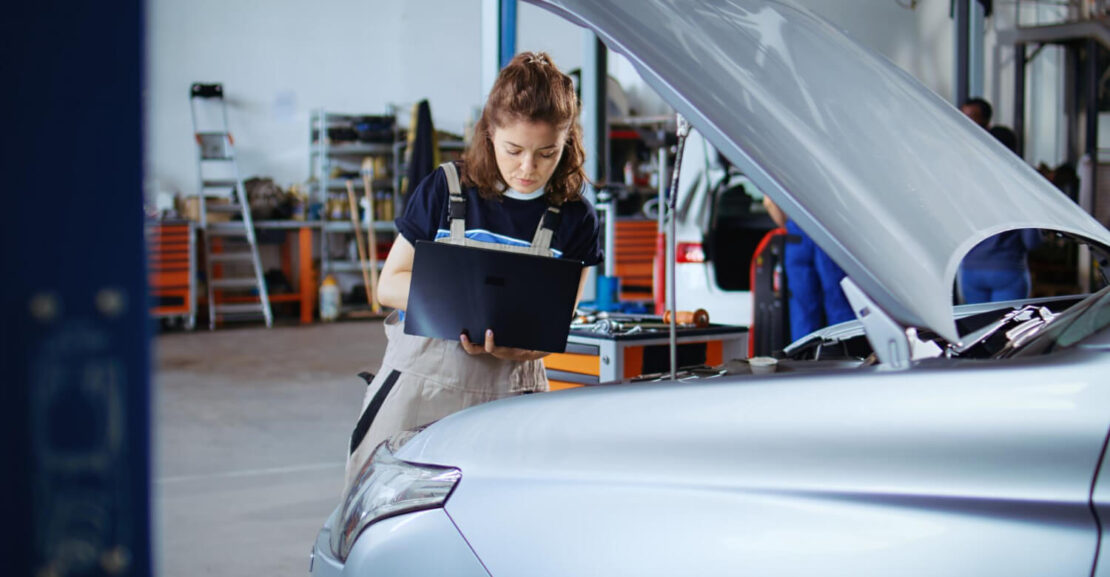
column 996, row 269
column 813, row 281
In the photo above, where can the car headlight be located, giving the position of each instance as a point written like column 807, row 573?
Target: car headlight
column 387, row 486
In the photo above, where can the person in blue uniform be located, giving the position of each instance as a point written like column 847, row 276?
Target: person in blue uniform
column 812, row 280
column 997, row 269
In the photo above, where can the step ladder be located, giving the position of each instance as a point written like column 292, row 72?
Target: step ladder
column 236, row 283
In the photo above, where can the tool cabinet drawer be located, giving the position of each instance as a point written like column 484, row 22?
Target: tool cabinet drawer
column 171, row 269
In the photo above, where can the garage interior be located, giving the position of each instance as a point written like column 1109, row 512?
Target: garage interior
column 239, row 374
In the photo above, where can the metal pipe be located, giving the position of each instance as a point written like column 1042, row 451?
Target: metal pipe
column 595, row 136
column 1092, row 108
column 1019, row 99
column 975, row 31
column 1073, row 74
column 1091, row 145
column 595, row 122
column 610, row 209
column 682, row 130
column 960, row 20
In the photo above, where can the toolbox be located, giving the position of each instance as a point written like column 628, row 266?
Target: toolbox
column 593, row 358
column 171, row 264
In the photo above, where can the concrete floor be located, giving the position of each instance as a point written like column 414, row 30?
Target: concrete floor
column 251, row 427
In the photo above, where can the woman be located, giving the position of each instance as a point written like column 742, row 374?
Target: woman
column 517, row 189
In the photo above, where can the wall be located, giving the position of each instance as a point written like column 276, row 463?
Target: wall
column 922, row 42
column 540, row 31
column 279, row 59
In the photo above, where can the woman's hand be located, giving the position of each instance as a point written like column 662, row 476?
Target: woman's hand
column 506, row 353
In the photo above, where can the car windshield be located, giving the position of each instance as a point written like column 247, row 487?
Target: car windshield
column 1086, row 318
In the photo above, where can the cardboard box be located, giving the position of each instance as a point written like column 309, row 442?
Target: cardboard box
column 189, row 208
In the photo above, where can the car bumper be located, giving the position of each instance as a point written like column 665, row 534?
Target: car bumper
column 421, row 543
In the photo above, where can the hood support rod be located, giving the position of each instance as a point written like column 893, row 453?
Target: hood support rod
column 682, row 131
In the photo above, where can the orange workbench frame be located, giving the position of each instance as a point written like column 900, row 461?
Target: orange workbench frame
column 305, row 294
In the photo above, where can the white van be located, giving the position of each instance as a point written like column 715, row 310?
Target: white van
column 721, row 220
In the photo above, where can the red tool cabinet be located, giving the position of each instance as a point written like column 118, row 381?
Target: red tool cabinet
column 172, row 268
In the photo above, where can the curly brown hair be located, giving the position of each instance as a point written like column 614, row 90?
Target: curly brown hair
column 532, row 89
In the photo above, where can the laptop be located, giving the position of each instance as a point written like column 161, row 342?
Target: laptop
column 527, row 300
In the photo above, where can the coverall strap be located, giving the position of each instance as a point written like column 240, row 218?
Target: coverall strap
column 456, row 209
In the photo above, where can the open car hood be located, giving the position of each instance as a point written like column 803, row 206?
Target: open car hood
column 889, row 179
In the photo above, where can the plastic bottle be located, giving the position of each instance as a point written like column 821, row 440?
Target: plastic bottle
column 299, row 202
column 329, row 299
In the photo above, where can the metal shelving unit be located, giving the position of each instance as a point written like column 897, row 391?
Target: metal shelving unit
column 326, row 157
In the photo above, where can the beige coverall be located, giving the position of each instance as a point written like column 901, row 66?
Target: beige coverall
column 423, row 380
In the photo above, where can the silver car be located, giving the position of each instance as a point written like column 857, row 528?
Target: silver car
column 916, row 441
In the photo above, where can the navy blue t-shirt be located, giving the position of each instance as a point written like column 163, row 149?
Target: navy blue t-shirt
column 505, row 221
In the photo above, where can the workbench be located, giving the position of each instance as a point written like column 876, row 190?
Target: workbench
column 597, row 358
column 299, row 234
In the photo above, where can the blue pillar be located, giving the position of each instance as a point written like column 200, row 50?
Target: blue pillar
column 498, row 39
column 507, row 32
column 75, row 403
column 595, row 131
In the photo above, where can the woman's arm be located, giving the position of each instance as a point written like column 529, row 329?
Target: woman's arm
column 393, row 286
